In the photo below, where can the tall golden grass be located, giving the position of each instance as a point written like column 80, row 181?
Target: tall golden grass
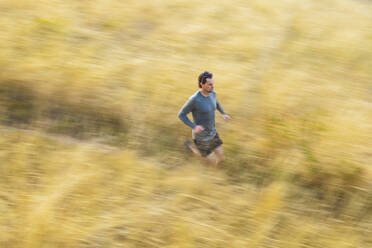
column 91, row 149
column 57, row 193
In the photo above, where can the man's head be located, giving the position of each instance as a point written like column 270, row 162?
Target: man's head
column 206, row 81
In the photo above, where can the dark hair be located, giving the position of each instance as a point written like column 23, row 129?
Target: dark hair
column 203, row 78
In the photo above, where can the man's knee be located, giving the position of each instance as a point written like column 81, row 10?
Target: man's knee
column 220, row 159
column 219, row 155
column 219, row 151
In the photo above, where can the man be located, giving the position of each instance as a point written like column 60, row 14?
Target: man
column 202, row 105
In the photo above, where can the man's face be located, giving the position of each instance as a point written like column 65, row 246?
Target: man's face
column 209, row 85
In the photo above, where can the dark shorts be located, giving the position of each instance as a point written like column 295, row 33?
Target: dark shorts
column 207, row 147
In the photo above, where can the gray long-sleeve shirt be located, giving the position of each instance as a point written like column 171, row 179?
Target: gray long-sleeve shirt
column 203, row 112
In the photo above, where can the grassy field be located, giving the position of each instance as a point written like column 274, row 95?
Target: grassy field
column 91, row 149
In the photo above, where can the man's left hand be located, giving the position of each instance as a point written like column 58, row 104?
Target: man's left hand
column 226, row 117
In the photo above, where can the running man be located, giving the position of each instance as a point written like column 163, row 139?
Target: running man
column 202, row 105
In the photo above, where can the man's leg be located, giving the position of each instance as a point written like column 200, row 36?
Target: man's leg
column 192, row 147
column 219, row 154
column 209, row 159
column 214, row 158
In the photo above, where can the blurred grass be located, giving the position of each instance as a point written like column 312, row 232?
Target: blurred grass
column 295, row 77
column 60, row 194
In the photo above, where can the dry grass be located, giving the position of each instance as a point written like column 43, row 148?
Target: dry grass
column 75, row 195
column 294, row 75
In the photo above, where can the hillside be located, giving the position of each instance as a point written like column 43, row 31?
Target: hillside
column 91, row 149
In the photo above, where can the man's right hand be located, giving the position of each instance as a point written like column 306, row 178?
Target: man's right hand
column 198, row 129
